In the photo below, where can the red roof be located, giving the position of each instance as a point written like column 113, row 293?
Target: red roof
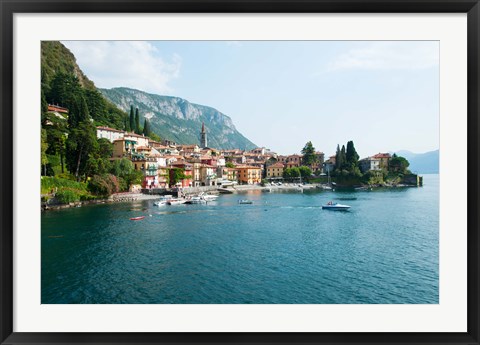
column 57, row 108
column 382, row 155
column 109, row 129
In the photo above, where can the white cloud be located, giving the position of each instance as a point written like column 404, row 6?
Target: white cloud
column 134, row 64
column 393, row 55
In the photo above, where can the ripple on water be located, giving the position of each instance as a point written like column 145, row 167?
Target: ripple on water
column 281, row 249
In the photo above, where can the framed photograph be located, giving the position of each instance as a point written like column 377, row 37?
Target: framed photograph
column 239, row 172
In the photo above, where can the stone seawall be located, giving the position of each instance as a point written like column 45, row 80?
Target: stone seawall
column 53, row 204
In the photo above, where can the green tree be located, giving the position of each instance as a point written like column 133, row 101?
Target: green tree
column 177, row 175
column 105, row 148
column 291, row 173
column 78, row 110
column 126, row 124
column 308, row 153
column 97, row 106
column 56, row 130
column 137, row 122
column 125, row 171
column 103, row 185
column 132, row 119
column 81, row 142
column 351, row 155
column 230, row 165
column 146, row 128
column 43, row 150
column 305, row 172
column 398, row 164
column 66, row 90
column 338, row 158
column 154, row 136
column 97, row 165
column 122, row 167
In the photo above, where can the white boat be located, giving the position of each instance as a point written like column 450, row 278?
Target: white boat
column 208, row 197
column 163, row 200
column 178, row 201
column 196, row 200
column 335, row 206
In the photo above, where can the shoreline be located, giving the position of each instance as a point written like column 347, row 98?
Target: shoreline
column 115, row 198
column 288, row 187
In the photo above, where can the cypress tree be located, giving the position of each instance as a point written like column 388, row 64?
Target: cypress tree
column 132, row 119
column 338, row 158
column 126, row 123
column 146, row 128
column 351, row 154
column 344, row 157
column 137, row 122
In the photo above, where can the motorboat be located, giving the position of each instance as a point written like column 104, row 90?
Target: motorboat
column 177, row 201
column 163, row 200
column 196, row 200
column 210, row 197
column 335, row 206
column 137, row 218
column 245, row 202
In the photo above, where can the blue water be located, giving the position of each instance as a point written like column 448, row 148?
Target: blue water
column 282, row 249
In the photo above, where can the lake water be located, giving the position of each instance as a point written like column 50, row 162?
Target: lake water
column 281, row 249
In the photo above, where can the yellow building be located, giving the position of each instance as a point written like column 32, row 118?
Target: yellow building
column 275, row 170
column 123, row 147
column 249, row 174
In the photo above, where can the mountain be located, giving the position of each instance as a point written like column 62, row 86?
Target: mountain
column 63, row 82
column 179, row 120
column 422, row 163
column 56, row 58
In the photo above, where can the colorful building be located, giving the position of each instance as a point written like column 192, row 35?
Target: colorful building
column 249, row 174
column 275, row 170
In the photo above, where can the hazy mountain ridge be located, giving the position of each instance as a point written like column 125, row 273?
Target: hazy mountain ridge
column 179, row 120
column 422, row 163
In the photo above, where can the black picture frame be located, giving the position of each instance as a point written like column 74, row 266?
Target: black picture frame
column 10, row 7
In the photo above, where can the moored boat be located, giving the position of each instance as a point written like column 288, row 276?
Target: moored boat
column 137, row 218
column 163, row 200
column 196, row 200
column 245, row 202
column 209, row 197
column 178, row 201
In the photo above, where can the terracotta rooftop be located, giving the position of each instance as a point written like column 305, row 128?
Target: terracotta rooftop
column 382, row 155
column 109, row 129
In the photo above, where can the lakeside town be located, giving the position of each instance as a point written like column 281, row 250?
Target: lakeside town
column 165, row 166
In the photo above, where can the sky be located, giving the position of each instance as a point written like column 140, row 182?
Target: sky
column 383, row 95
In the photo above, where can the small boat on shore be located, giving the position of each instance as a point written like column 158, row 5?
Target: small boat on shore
column 245, row 202
column 335, row 206
column 137, row 218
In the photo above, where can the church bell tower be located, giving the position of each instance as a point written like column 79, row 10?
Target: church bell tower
column 203, row 137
